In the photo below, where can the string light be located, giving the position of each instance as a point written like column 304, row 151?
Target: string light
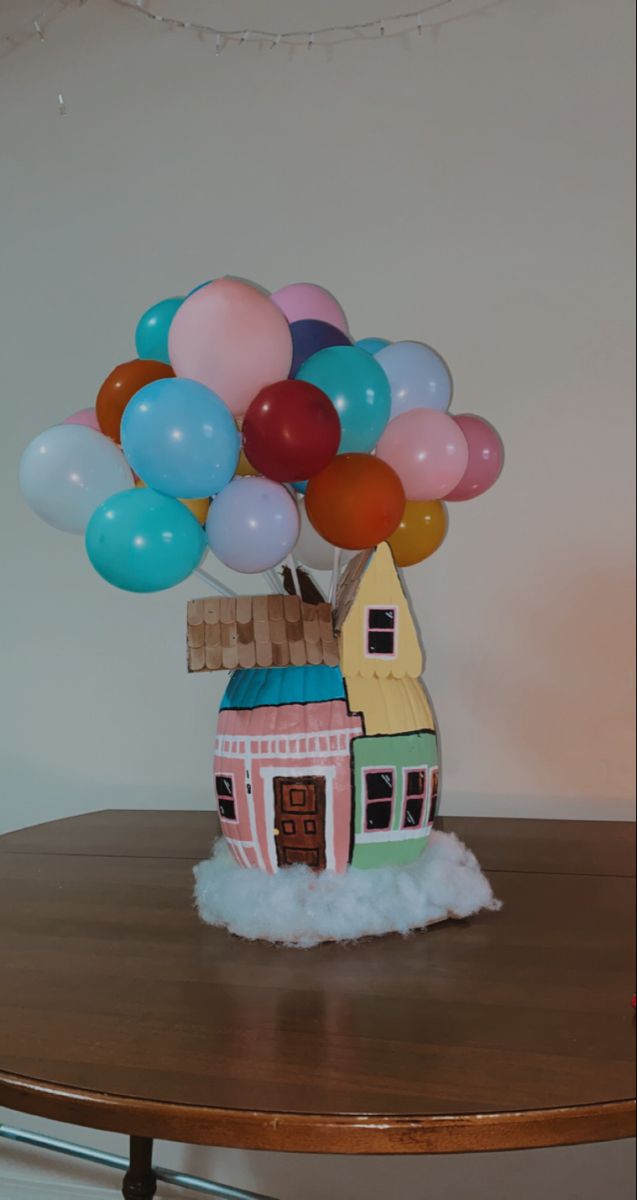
column 395, row 25
column 429, row 16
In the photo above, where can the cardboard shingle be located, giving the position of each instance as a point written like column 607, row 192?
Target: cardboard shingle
column 259, row 631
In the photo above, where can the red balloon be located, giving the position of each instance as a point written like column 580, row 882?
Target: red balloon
column 291, row 431
column 356, row 502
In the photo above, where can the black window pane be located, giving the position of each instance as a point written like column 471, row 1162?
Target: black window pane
column 381, row 618
column 223, row 784
column 379, row 814
column 415, row 783
column 380, row 642
column 413, row 812
column 379, row 784
column 433, row 806
column 227, row 809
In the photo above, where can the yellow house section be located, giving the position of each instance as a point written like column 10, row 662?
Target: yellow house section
column 380, row 587
column 389, row 705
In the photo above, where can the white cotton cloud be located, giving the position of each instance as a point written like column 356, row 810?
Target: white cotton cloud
column 299, row 907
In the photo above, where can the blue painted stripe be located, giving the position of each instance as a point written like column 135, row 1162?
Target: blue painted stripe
column 283, row 685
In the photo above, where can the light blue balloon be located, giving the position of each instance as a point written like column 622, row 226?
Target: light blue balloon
column 372, row 345
column 151, row 335
column 253, row 524
column 180, row 438
column 144, row 542
column 418, row 377
column 358, row 389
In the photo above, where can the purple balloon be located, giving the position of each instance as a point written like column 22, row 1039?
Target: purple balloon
column 308, row 337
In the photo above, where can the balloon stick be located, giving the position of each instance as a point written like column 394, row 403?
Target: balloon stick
column 294, row 573
column 274, row 581
column 219, row 588
column 335, row 573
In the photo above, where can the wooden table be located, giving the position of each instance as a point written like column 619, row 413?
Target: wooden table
column 120, row 1010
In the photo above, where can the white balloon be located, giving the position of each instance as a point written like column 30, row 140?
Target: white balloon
column 68, row 471
column 312, row 550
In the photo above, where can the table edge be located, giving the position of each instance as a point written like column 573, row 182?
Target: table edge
column 321, row 1133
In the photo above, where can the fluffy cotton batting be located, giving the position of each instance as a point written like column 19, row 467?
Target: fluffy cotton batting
column 300, row 907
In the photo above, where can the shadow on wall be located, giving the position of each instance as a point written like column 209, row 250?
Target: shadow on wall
column 571, row 1172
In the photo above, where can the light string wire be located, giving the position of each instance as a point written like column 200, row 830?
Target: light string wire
column 36, row 28
column 395, row 25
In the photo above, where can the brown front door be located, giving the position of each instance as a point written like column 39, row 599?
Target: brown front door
column 299, row 816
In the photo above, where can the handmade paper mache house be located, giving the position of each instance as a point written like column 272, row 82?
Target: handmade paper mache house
column 326, row 750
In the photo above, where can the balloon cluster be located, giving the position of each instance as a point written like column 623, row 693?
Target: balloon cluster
column 253, row 425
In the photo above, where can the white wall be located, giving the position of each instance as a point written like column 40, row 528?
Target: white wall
column 474, row 191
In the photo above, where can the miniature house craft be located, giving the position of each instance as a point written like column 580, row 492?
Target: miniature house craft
column 326, row 751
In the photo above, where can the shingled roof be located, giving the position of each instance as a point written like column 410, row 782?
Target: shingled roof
column 259, row 631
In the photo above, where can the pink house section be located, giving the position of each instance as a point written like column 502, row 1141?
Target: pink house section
column 254, row 746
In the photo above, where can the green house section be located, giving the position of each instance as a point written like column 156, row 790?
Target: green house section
column 400, row 751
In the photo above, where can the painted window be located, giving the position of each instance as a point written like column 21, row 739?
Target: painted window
column 415, row 796
column 434, row 788
column 380, row 632
column 380, row 787
column 224, row 787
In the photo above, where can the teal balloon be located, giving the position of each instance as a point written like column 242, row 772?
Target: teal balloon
column 151, row 335
column 198, row 287
column 372, row 345
column 359, row 390
column 142, row 541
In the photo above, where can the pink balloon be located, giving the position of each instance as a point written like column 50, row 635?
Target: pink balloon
column 84, row 416
column 309, row 302
column 428, row 452
column 232, row 338
column 486, row 457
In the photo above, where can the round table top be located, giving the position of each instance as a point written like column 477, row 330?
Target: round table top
column 121, row 1011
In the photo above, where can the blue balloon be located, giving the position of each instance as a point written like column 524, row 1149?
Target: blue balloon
column 358, row 389
column 418, row 377
column 180, row 438
column 309, row 336
column 372, row 345
column 151, row 335
column 301, row 486
column 144, row 542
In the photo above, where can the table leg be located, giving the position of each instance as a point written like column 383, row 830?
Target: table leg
column 140, row 1181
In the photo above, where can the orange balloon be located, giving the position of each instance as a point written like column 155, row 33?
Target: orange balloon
column 357, row 501
column 421, row 531
column 199, row 508
column 118, row 388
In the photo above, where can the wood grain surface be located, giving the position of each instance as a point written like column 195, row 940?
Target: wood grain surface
column 120, row 1010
